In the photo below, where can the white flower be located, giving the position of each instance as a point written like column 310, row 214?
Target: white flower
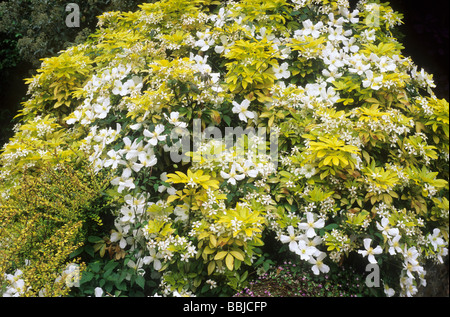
column 304, row 250
column 309, row 28
column 292, row 239
column 119, row 88
column 281, row 71
column 318, row 265
column 410, row 254
column 119, row 235
column 359, row 67
column 232, row 176
column 174, row 119
column 156, row 135
column 133, row 85
column 114, row 159
column 311, row 225
column 102, row 107
column 182, row 213
column 308, row 170
column 147, row 160
column 314, row 243
column 388, row 291
column 394, row 245
column 385, row 228
column 373, row 82
column 247, row 169
column 131, row 149
column 369, row 251
column 154, row 257
column 241, row 109
column 436, row 239
column 98, row 292
column 128, row 214
column 205, row 40
column 385, row 64
column 74, row 117
column 124, row 181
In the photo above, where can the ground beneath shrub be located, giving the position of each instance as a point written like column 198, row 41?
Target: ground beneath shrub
column 437, row 286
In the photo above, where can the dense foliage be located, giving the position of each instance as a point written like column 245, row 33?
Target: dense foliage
column 345, row 153
column 43, row 32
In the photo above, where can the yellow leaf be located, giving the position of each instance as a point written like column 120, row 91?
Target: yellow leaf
column 172, row 198
column 321, row 153
column 220, row 255
column 335, row 160
column 213, row 241
column 211, row 267
column 208, row 250
column 202, row 236
column 229, row 261
column 238, row 255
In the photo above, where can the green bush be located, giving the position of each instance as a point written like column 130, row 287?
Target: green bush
column 44, row 32
column 347, row 159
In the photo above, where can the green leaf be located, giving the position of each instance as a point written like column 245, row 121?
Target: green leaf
column 140, row 280
column 111, row 265
column 331, row 226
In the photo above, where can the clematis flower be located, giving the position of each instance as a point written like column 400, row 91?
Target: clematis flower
column 232, row 177
column 124, row 181
column 131, row 149
column 174, row 119
column 373, row 82
column 248, row 170
column 281, row 71
column 119, row 88
column 204, row 40
column 304, row 250
column 394, row 245
column 318, row 265
column 369, row 251
column 156, row 135
column 153, row 257
column 114, row 159
column 385, row 228
column 411, row 254
column 133, row 85
column 388, row 291
column 74, row 117
column 310, row 29
column 436, row 239
column 147, row 160
column 311, row 225
column 102, row 107
column 119, row 235
column 292, row 239
column 241, row 109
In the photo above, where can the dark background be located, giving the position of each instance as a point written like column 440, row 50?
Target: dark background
column 426, row 31
column 426, row 40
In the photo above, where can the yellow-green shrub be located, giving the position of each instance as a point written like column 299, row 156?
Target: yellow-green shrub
column 362, row 140
column 44, row 220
